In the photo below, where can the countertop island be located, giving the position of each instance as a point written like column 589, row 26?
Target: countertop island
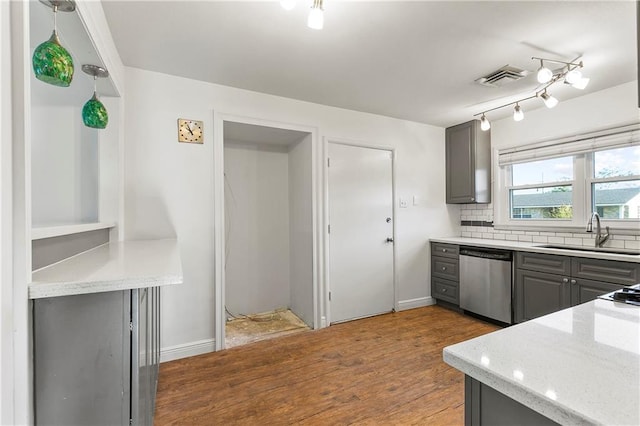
column 577, row 366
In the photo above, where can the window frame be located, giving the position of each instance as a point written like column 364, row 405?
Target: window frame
column 591, row 180
column 582, row 197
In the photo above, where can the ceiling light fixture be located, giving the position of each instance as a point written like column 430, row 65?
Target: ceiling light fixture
column 544, row 74
column 316, row 16
column 288, row 4
column 518, row 115
column 549, row 100
column 51, row 62
column 570, row 75
column 94, row 114
column 484, row 123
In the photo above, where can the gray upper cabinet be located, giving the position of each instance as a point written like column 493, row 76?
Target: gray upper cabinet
column 468, row 164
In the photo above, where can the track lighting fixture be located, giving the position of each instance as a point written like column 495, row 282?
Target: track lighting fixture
column 288, row 4
column 518, row 115
column 549, row 100
column 544, row 74
column 570, row 74
column 484, row 123
column 316, row 16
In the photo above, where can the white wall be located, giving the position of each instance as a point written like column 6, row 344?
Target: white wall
column 257, row 227
column 65, row 167
column 600, row 110
column 301, row 230
column 168, row 186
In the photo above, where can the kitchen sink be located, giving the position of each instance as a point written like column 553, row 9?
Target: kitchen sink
column 593, row 249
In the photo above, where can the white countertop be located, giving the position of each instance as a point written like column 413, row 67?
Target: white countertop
column 576, row 366
column 533, row 247
column 114, row 266
column 41, row 232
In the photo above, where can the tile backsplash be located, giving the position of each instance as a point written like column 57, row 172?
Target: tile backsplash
column 476, row 221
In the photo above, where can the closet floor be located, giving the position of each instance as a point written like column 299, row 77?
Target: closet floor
column 267, row 325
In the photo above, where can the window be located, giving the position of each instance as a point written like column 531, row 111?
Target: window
column 561, row 183
column 542, row 190
column 615, row 183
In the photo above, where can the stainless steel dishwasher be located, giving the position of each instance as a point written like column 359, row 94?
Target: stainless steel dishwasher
column 486, row 282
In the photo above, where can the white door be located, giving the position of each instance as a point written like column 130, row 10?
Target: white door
column 361, row 232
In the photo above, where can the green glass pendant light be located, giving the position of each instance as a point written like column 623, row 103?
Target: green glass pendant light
column 94, row 114
column 51, row 62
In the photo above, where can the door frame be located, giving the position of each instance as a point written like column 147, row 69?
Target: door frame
column 326, row 253
column 219, row 221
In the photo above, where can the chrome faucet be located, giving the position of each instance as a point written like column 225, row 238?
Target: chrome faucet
column 600, row 239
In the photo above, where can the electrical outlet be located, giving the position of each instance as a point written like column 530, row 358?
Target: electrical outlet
column 403, row 203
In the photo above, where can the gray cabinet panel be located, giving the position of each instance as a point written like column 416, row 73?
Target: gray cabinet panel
column 544, row 263
column 444, row 267
column 445, row 290
column 81, row 359
column 96, row 358
column 445, row 263
column 546, row 283
column 445, row 250
column 625, row 273
column 468, row 164
column 586, row 290
column 539, row 293
column 486, row 406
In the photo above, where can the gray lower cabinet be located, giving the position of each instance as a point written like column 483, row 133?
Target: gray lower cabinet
column 484, row 405
column 540, row 293
column 546, row 283
column 96, row 358
column 445, row 272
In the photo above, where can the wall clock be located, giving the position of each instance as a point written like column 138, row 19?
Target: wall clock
column 190, row 131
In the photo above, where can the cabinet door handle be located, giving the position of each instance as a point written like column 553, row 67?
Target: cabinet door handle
column 565, row 280
column 444, row 268
column 444, row 290
column 574, row 282
column 444, row 250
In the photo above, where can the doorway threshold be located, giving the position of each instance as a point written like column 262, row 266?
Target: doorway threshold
column 267, row 325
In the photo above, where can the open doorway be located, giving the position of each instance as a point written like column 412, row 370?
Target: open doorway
column 268, row 239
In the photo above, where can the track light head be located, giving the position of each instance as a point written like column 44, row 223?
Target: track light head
column 581, row 83
column 544, row 74
column 518, row 115
column 288, row 4
column 484, row 123
column 316, row 16
column 573, row 76
column 549, row 100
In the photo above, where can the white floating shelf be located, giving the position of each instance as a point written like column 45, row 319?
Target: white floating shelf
column 41, row 232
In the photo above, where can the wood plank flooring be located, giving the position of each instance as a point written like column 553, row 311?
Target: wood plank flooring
column 382, row 370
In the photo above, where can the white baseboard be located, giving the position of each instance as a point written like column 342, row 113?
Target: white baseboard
column 185, row 350
column 419, row 302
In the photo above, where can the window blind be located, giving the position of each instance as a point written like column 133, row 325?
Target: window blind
column 596, row 141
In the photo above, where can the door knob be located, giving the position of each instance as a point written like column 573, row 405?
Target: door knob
column 389, row 240
column 388, row 220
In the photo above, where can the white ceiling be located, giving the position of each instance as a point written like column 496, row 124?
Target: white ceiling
column 412, row 60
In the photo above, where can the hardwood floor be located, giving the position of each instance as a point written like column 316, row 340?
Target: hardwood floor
column 382, row 370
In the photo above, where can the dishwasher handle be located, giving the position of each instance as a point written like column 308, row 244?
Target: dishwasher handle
column 487, row 254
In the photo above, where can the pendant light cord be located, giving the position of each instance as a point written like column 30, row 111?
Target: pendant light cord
column 55, row 18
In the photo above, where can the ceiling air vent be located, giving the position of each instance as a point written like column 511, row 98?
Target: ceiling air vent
column 504, row 75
